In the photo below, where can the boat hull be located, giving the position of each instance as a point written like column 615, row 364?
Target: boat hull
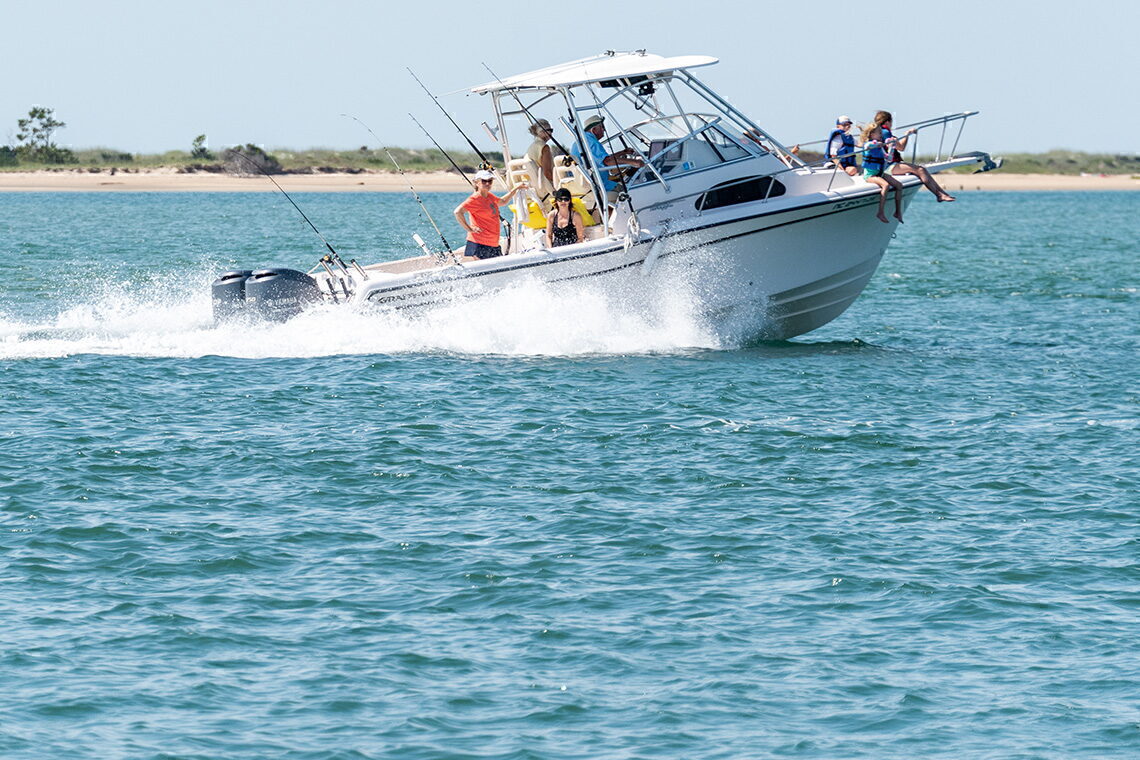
column 775, row 276
column 771, row 275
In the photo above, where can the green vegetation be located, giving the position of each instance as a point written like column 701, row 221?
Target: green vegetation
column 1066, row 162
column 36, row 150
column 199, row 151
column 33, row 140
column 326, row 160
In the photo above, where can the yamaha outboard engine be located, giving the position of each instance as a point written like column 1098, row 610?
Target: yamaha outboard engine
column 278, row 294
column 228, row 294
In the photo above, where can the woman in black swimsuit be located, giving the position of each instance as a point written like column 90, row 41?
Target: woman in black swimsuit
column 564, row 226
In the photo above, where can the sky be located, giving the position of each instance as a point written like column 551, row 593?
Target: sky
column 146, row 77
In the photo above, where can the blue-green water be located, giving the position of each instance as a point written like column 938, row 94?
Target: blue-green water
column 544, row 526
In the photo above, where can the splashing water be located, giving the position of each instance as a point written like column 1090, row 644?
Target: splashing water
column 173, row 318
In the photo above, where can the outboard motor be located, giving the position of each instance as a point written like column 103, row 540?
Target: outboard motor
column 278, row 294
column 228, row 294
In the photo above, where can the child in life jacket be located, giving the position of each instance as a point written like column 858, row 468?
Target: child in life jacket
column 875, row 152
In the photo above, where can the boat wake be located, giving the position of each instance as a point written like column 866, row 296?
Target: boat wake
column 173, row 319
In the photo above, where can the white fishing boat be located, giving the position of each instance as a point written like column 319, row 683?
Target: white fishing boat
column 767, row 245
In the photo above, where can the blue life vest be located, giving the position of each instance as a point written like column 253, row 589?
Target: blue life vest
column 874, row 159
column 847, row 151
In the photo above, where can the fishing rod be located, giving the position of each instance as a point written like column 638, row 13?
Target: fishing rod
column 446, row 245
column 624, row 194
column 332, row 251
column 452, row 160
column 526, row 110
column 486, row 163
column 441, row 150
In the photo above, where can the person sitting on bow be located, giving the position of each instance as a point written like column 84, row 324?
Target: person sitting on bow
column 876, row 151
column 841, row 146
column 897, row 166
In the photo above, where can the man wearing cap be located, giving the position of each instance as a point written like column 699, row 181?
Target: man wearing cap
column 841, row 146
column 595, row 129
column 483, row 209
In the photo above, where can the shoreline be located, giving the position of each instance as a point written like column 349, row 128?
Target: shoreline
column 169, row 180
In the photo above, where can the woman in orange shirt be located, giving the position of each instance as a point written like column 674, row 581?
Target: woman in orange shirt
column 479, row 215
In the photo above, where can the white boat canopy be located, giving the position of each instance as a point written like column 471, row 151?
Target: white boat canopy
column 600, row 68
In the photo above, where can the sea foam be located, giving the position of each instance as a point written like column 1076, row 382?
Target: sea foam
column 172, row 318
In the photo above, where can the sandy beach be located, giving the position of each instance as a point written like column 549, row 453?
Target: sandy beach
column 166, row 180
column 1001, row 181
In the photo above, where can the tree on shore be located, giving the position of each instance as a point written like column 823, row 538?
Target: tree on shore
column 198, row 149
column 34, row 140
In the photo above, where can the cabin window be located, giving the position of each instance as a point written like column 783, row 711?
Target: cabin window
column 709, row 148
column 740, row 191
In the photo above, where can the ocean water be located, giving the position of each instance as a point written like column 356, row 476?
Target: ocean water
column 547, row 525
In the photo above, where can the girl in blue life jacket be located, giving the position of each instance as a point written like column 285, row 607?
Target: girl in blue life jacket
column 876, row 152
column 886, row 121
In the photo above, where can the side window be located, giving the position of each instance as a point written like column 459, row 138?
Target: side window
column 740, row 191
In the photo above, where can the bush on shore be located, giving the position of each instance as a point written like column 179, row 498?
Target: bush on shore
column 314, row 160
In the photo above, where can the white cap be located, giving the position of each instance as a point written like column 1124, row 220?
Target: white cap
column 484, row 174
column 843, row 120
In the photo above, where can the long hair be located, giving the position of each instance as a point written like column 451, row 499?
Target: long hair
column 881, row 118
column 872, row 127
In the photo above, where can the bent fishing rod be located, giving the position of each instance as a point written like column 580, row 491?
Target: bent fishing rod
column 486, row 162
column 423, row 207
column 335, row 257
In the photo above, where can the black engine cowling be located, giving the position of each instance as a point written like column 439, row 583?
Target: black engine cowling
column 272, row 294
column 228, row 294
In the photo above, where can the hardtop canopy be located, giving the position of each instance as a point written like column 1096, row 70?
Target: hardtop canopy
column 600, row 68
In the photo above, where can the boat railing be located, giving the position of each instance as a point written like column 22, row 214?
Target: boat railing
column 912, row 143
column 830, row 163
column 943, row 121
